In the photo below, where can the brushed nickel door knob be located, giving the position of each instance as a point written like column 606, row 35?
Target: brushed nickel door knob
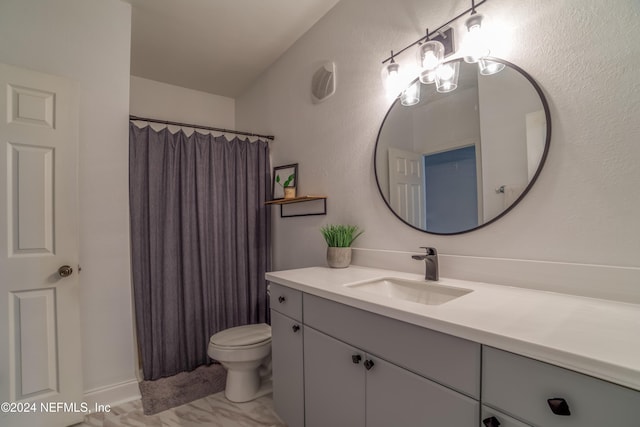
column 65, row 271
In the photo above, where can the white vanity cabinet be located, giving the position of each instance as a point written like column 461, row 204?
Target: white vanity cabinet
column 541, row 394
column 364, row 369
column 420, row 376
column 287, row 354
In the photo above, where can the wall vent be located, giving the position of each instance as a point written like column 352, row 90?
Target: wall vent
column 323, row 83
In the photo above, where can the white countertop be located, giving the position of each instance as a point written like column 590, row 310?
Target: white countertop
column 596, row 337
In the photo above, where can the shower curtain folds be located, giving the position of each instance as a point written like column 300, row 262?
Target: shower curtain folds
column 200, row 242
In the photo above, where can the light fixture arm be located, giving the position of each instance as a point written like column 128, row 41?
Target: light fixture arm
column 471, row 10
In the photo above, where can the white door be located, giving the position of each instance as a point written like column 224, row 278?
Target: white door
column 40, row 364
column 406, row 186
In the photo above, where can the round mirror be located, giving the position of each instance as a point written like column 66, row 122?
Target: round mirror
column 467, row 152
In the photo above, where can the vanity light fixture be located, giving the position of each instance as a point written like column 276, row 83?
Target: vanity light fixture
column 433, row 47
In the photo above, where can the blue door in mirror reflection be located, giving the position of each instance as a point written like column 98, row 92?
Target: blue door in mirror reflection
column 451, row 187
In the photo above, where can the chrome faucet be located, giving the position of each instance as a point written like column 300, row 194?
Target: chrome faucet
column 430, row 263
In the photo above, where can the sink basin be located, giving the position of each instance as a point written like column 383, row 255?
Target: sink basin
column 421, row 292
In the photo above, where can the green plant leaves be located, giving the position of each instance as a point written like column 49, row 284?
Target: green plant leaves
column 287, row 182
column 340, row 236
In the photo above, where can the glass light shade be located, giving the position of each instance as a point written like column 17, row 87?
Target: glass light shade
column 475, row 46
column 488, row 67
column 428, row 77
column 430, row 56
column 411, row 95
column 391, row 79
column 447, row 77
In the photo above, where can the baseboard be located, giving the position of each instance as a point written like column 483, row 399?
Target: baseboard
column 113, row 395
column 590, row 280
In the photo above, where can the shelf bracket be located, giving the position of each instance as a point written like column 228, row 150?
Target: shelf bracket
column 324, row 210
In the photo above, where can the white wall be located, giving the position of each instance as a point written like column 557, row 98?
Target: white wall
column 448, row 122
column 89, row 41
column 157, row 100
column 576, row 231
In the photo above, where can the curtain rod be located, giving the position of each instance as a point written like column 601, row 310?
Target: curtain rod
column 167, row 122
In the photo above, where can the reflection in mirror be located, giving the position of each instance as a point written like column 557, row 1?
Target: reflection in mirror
column 459, row 160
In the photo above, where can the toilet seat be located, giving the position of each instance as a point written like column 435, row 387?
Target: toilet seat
column 246, row 336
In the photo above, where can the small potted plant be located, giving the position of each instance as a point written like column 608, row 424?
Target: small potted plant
column 287, row 186
column 339, row 239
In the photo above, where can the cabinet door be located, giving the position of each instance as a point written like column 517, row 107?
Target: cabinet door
column 399, row 398
column 334, row 382
column 546, row 395
column 287, row 360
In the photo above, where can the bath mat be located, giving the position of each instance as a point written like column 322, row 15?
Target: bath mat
column 166, row 393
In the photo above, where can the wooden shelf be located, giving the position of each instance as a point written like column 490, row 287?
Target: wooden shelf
column 300, row 199
column 294, row 200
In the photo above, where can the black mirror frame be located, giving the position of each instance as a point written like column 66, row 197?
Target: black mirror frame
column 543, row 159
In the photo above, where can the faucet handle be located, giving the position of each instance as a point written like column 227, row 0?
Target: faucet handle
column 430, row 250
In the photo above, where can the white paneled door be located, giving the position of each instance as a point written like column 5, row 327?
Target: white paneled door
column 40, row 363
column 406, row 186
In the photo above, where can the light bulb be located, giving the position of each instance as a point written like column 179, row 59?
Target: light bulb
column 475, row 46
column 445, row 72
column 430, row 61
column 411, row 95
column 447, row 77
column 430, row 56
column 391, row 79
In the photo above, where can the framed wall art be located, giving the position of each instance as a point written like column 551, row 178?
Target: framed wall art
column 285, row 181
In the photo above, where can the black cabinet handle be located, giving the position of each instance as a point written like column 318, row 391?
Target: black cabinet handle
column 295, row 328
column 559, row 406
column 368, row 364
column 281, row 299
column 491, row 422
column 356, row 358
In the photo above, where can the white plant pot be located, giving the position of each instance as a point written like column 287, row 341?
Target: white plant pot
column 338, row 257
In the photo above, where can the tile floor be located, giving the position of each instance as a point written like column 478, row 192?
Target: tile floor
column 214, row 410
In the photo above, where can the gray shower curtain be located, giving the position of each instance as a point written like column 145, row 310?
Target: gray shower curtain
column 200, row 242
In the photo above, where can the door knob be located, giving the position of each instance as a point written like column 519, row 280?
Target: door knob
column 65, row 271
column 295, row 328
column 281, row 299
column 368, row 364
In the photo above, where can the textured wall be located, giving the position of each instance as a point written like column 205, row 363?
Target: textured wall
column 578, row 225
column 88, row 41
column 158, row 100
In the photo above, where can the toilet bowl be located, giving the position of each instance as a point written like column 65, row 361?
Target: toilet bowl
column 245, row 352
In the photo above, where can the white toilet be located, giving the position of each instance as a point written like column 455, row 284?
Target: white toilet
column 245, row 351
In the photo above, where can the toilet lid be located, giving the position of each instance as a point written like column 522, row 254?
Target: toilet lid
column 242, row 335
